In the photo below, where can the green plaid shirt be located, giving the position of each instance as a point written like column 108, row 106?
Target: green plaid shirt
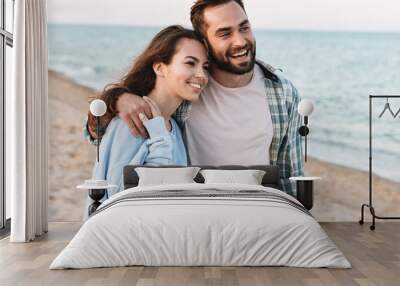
column 286, row 149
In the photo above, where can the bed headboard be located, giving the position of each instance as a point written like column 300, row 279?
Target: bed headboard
column 270, row 179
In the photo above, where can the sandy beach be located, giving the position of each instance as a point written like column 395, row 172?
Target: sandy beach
column 338, row 196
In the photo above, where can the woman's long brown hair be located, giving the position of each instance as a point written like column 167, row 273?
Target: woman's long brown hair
column 141, row 78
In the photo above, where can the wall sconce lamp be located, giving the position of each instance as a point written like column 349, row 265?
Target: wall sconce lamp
column 98, row 108
column 96, row 188
column 305, row 108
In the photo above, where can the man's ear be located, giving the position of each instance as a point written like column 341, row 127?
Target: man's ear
column 159, row 69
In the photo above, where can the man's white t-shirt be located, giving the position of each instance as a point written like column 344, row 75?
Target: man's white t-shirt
column 230, row 125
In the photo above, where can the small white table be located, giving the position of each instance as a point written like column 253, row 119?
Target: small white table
column 304, row 190
column 96, row 193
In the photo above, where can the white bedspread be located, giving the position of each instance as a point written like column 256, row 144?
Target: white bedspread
column 190, row 230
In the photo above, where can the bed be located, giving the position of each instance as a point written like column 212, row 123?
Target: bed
column 198, row 224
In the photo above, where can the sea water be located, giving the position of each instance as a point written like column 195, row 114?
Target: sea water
column 336, row 70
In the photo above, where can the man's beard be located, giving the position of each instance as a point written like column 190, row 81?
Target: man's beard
column 224, row 63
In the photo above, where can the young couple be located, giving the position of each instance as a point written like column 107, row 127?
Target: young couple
column 207, row 86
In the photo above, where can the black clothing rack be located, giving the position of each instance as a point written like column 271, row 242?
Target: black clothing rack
column 370, row 205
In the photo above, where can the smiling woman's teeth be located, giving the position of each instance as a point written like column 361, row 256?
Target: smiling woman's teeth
column 195, row 85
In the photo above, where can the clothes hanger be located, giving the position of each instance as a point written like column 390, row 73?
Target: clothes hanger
column 387, row 107
column 397, row 113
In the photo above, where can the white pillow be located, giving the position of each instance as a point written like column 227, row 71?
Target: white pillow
column 162, row 176
column 248, row 177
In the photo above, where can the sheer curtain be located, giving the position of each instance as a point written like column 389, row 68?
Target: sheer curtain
column 26, row 117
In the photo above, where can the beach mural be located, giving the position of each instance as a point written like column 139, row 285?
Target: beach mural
column 336, row 70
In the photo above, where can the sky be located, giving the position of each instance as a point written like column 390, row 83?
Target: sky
column 336, row 15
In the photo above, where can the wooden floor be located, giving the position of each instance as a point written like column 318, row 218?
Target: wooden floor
column 374, row 255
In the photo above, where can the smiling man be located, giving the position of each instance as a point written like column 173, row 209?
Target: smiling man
column 247, row 114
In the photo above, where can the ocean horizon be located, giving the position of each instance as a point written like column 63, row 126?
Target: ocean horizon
column 336, row 70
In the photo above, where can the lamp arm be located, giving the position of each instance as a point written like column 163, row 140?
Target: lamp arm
column 305, row 139
column 305, row 148
column 97, row 133
column 303, row 131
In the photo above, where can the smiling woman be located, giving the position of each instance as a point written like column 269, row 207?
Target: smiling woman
column 171, row 70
